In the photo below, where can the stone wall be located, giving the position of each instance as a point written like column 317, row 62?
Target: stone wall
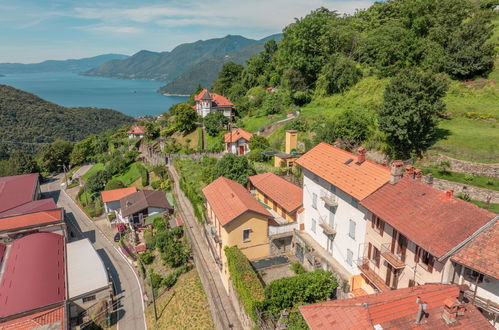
column 475, row 193
column 463, row 166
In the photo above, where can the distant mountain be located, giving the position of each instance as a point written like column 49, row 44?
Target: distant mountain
column 166, row 66
column 78, row 65
column 26, row 119
column 205, row 73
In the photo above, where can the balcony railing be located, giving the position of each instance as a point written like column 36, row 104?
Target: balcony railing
column 393, row 259
column 213, row 233
column 283, row 229
column 330, row 199
column 369, row 270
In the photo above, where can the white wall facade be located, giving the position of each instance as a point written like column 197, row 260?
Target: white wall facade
column 233, row 147
column 112, row 206
column 342, row 247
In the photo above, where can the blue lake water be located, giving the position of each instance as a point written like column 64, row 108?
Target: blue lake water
column 132, row 97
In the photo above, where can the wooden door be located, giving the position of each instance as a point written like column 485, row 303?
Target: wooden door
column 241, row 150
column 389, row 270
column 401, row 246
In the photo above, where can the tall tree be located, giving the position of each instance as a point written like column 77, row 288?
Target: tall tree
column 412, row 106
column 215, row 122
column 185, row 117
column 54, row 156
column 234, row 167
column 338, row 75
column 228, row 75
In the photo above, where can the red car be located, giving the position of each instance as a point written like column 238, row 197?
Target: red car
column 121, row 227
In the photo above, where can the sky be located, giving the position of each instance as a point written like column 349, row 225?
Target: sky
column 35, row 30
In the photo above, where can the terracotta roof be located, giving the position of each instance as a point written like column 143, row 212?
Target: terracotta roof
column 2, row 251
column 229, row 200
column 31, row 219
column 33, row 206
column 216, row 99
column 33, row 275
column 55, row 317
column 141, row 200
column 329, row 163
column 281, row 191
column 136, row 130
column 17, row 190
column 237, row 134
column 426, row 216
column 116, row 194
column 480, row 253
column 395, row 309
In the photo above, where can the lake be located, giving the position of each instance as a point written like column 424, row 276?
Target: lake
column 132, row 97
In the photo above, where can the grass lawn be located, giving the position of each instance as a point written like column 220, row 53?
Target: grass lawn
column 253, row 124
column 185, row 306
column 493, row 207
column 131, row 174
column 215, row 141
column 182, row 139
column 94, row 169
column 474, row 180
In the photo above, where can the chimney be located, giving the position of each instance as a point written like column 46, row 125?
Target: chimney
column 421, row 310
column 396, row 171
column 337, row 144
column 291, row 140
column 452, row 310
column 449, row 193
column 418, row 174
column 409, row 172
column 361, row 157
column 429, row 179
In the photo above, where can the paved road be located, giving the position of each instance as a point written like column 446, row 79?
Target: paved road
column 128, row 292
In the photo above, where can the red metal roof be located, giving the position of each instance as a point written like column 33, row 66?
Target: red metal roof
column 53, row 317
column 31, row 219
column 229, row 200
column 33, row 206
column 17, row 190
column 136, row 130
column 395, row 309
column 333, row 165
column 236, row 134
column 481, row 253
column 427, row 216
column 33, row 275
column 216, row 99
column 117, row 194
column 279, row 190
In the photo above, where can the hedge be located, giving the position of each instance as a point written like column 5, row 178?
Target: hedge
column 248, row 286
column 144, row 175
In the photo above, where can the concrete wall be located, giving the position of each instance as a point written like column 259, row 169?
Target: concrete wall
column 343, row 213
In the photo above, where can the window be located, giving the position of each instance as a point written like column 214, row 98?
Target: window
column 354, row 203
column 472, row 276
column 314, row 224
column 349, row 257
column 428, row 260
column 331, row 217
column 246, row 235
column 89, row 298
column 314, row 200
column 377, row 224
column 374, row 254
column 351, row 229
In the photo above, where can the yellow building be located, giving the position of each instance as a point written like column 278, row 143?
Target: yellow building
column 235, row 218
column 290, row 155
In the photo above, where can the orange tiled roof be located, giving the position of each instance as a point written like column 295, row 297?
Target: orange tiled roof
column 229, row 200
column 328, row 162
column 481, row 253
column 216, row 99
column 395, row 309
column 426, row 215
column 116, row 194
column 36, row 320
column 237, row 134
column 283, row 192
column 136, row 130
column 31, row 219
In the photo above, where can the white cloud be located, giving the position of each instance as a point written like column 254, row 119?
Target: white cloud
column 111, row 29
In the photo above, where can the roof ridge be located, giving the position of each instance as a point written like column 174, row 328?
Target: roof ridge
column 355, row 155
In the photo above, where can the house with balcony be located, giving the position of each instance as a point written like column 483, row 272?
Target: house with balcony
column 136, row 207
column 334, row 181
column 235, row 218
column 207, row 103
column 237, row 141
column 477, row 266
column 413, row 230
column 284, row 200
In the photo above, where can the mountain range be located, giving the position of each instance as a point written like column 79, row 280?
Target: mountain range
column 187, row 65
column 74, row 65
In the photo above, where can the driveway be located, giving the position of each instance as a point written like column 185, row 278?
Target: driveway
column 130, row 304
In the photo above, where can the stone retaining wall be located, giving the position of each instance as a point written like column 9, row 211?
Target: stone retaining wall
column 475, row 193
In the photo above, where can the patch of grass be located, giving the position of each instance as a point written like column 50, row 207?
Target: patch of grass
column 94, row 169
column 492, row 207
column 182, row 139
column 253, row 124
column 472, row 180
column 131, row 174
column 185, row 306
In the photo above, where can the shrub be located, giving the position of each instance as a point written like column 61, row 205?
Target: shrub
column 297, row 268
column 150, row 240
column 160, row 171
column 98, row 181
column 144, row 176
column 114, row 184
column 464, row 196
column 175, row 252
column 147, row 257
column 248, row 286
column 155, row 184
column 156, row 279
column 468, row 178
column 306, row 288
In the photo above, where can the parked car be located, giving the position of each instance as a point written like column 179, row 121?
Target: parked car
column 121, row 228
column 117, row 237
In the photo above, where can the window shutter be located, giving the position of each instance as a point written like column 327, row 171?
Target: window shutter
column 381, row 227
column 373, row 219
column 430, row 264
column 416, row 254
column 369, row 255
column 378, row 258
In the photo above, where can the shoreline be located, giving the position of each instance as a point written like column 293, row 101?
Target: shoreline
column 168, row 94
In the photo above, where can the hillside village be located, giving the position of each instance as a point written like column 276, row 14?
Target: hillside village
column 362, row 202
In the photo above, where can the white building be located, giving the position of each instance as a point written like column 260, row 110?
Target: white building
column 207, row 103
column 237, row 141
column 136, row 207
column 334, row 223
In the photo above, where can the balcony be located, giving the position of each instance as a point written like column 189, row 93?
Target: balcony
column 279, row 231
column 367, row 268
column 393, row 259
column 328, row 230
column 330, row 199
column 213, row 233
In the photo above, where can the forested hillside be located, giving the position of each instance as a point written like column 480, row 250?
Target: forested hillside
column 27, row 121
column 401, row 77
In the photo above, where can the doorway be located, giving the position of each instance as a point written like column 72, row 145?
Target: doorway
column 241, row 150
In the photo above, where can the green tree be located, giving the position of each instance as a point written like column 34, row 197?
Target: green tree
column 258, row 142
column 151, row 131
column 114, row 184
column 97, row 182
column 117, row 165
column 412, row 105
column 175, row 252
column 81, row 153
column 228, row 75
column 54, row 156
column 338, row 75
column 185, row 118
column 215, row 122
column 21, row 163
column 272, row 104
column 234, row 167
